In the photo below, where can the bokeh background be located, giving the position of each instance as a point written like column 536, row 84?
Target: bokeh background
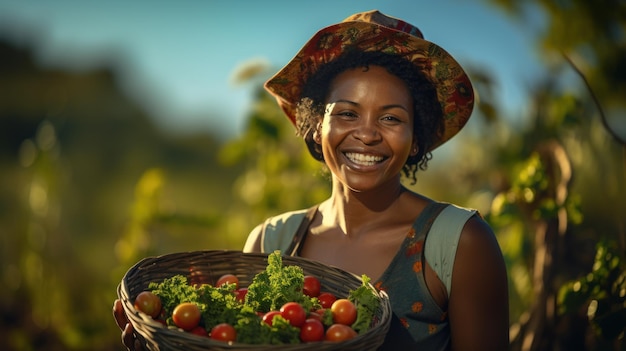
column 137, row 129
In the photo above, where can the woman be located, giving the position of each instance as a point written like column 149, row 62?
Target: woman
column 372, row 99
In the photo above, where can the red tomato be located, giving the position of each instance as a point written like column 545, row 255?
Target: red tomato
column 224, row 332
column 228, row 279
column 294, row 313
column 148, row 303
column 315, row 315
column 186, row 315
column 339, row 332
column 312, row 286
column 344, row 312
column 269, row 317
column 200, row 331
column 312, row 330
column 196, row 277
column 326, row 299
column 240, row 294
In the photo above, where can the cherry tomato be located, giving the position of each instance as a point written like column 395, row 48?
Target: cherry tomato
column 186, row 315
column 339, row 332
column 294, row 313
column 240, row 294
column 344, row 312
column 312, row 330
column 312, row 286
column 200, row 331
column 315, row 315
column 148, row 303
column 224, row 332
column 196, row 277
column 228, row 279
column 326, row 299
column 269, row 317
column 321, row 311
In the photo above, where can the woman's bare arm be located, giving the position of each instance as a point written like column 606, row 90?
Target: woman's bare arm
column 478, row 306
column 253, row 243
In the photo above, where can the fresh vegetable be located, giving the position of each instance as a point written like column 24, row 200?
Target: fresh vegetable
column 339, row 332
column 326, row 299
column 294, row 313
column 277, row 285
column 228, row 279
column 366, row 302
column 250, row 330
column 312, row 330
column 312, row 286
column 148, row 303
column 344, row 312
column 186, row 315
column 200, row 331
column 268, row 318
column 219, row 305
column 240, row 294
column 224, row 332
column 173, row 291
column 279, row 306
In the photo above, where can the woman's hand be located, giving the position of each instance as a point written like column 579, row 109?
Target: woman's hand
column 128, row 334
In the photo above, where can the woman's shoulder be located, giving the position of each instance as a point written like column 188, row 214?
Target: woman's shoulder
column 275, row 233
column 455, row 227
column 285, row 218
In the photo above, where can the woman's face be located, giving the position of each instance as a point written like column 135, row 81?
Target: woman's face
column 367, row 131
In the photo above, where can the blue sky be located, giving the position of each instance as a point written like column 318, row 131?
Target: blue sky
column 179, row 55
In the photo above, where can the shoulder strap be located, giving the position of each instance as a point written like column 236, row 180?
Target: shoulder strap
column 442, row 241
column 277, row 232
column 294, row 248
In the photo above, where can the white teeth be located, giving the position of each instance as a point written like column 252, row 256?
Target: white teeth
column 366, row 160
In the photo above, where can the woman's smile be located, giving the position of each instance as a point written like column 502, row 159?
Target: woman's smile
column 364, row 159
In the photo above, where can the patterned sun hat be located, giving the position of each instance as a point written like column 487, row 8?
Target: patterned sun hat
column 374, row 31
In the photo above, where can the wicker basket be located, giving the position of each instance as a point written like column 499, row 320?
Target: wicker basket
column 207, row 267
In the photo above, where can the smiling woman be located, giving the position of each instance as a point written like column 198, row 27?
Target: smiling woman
column 372, row 99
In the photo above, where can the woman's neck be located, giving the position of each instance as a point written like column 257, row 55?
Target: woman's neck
column 354, row 212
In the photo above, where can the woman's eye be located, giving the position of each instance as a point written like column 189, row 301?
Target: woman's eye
column 391, row 119
column 346, row 114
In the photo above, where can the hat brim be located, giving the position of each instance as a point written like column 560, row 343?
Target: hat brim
column 453, row 86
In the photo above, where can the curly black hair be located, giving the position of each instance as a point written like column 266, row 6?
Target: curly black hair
column 428, row 116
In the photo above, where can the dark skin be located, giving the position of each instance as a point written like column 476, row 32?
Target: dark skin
column 366, row 137
column 128, row 338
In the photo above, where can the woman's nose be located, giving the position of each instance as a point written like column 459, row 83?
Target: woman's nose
column 367, row 131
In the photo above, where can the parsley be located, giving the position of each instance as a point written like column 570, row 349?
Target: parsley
column 366, row 302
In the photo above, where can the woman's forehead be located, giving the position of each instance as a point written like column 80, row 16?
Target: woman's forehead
column 374, row 85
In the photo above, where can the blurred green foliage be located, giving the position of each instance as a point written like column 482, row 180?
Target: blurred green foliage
column 89, row 185
column 602, row 292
